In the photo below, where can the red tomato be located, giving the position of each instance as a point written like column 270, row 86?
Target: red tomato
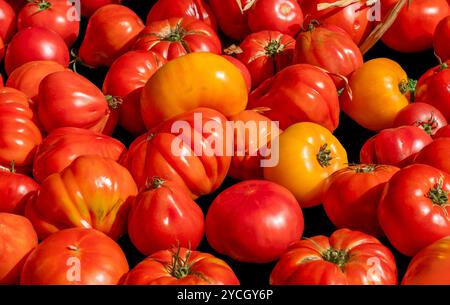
column 53, row 15
column 176, row 37
column 265, row 53
column 198, row 9
column 299, row 87
column 351, row 196
column 254, row 221
column 443, row 132
column 174, row 156
column 162, row 215
column 421, row 115
column 126, row 79
column 435, row 154
column 232, row 17
column 181, row 267
column 7, row 21
column 414, row 27
column 441, row 38
column 430, row 266
column 35, row 43
column 244, row 71
column 17, row 240
column 65, row 144
column 345, row 258
column 394, row 146
column 67, row 99
column 413, row 211
column 284, row 16
column 75, row 257
column 111, row 32
column 88, row 7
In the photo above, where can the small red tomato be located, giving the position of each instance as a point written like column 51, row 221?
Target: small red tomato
column 88, row 7
column 244, row 71
column 8, row 24
column 441, row 38
column 424, row 116
column 435, row 154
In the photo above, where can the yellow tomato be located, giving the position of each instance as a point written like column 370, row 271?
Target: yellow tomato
column 380, row 91
column 308, row 154
column 191, row 81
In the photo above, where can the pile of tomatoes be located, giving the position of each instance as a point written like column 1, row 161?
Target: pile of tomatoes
column 92, row 190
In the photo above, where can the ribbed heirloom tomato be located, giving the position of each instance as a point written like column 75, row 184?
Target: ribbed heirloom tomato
column 424, row 116
column 231, row 17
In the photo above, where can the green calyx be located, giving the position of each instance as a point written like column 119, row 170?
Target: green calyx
column 42, row 4
column 438, row 195
column 443, row 66
column 408, row 86
column 113, row 101
column 155, row 183
column 428, row 126
column 338, row 257
column 324, row 156
column 179, row 267
column 273, row 48
column 363, row 168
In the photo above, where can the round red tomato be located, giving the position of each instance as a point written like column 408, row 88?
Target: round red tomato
column 254, row 221
column 394, row 146
column 424, row 116
column 435, row 154
column 232, row 16
column 7, row 21
column 443, row 132
column 176, row 37
column 17, row 240
column 162, row 215
column 441, row 38
column 125, row 80
column 345, row 258
column 265, row 53
column 244, row 71
column 75, row 257
column 35, row 43
column 414, row 208
column 181, row 267
column 88, row 7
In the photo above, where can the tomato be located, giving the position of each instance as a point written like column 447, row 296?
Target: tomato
column 435, row 154
column 163, row 215
column 16, row 4
column 443, row 132
column 232, row 17
column 308, row 155
column 67, row 99
column 415, row 24
column 379, row 79
column 176, row 37
column 171, row 151
column 75, row 257
column 198, row 9
column 19, row 135
column 244, row 71
column 351, row 196
column 345, row 258
column 53, row 15
column 181, row 267
column 430, row 266
column 421, row 115
column 92, row 192
column 413, row 211
column 284, row 16
column 268, row 214
column 194, row 80
column 8, row 24
column 432, row 88
column 88, row 7
column 35, row 43
column 265, row 53
column 65, row 144
column 112, row 31
column 330, row 48
column 440, row 39
column 351, row 18
column 17, row 240
column 125, row 80
column 299, row 87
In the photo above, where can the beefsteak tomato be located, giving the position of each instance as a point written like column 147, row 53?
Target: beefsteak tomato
column 232, row 17
column 424, row 116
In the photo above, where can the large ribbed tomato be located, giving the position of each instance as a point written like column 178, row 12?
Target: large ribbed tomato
column 441, row 38
column 92, row 192
column 231, row 17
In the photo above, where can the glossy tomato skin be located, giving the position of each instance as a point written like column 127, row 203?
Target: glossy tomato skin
column 345, row 258
column 430, row 266
column 265, row 53
column 92, row 192
column 377, row 79
column 53, row 15
column 15, row 189
column 424, row 116
column 65, row 144
column 17, row 240
column 244, row 70
column 8, row 24
column 299, row 87
column 198, row 9
column 268, row 214
column 415, row 24
column 284, row 16
column 413, row 211
column 440, row 39
column 204, row 269
column 351, row 197
column 308, row 155
column 199, row 173
column 112, row 31
column 175, row 37
column 88, row 7
column 435, row 154
column 395, row 146
column 125, row 79
column 75, row 256
column 443, row 132
column 162, row 215
column 35, row 43
column 194, row 80
column 231, row 17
